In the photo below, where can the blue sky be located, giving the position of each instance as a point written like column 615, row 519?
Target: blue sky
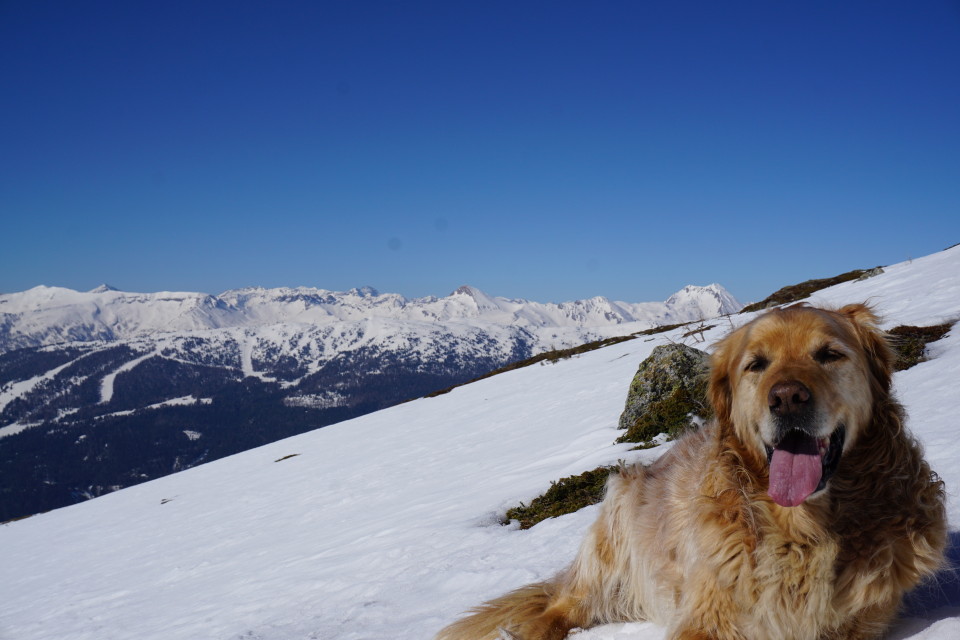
column 546, row 150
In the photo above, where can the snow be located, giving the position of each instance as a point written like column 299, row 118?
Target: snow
column 172, row 402
column 15, row 428
column 50, row 315
column 386, row 526
column 10, row 391
column 258, row 332
column 247, row 343
column 107, row 384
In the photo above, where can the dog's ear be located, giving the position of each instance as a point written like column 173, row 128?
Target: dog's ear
column 873, row 342
column 720, row 389
column 860, row 314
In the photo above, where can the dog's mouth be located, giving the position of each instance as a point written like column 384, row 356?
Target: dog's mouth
column 801, row 464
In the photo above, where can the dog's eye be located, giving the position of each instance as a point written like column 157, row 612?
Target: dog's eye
column 757, row 364
column 825, row 355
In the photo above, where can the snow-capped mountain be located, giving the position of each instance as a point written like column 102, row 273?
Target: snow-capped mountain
column 103, row 389
column 51, row 315
column 387, row 525
column 710, row 301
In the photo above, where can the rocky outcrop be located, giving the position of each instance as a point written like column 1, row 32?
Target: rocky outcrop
column 668, row 392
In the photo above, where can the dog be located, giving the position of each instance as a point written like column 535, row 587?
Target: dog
column 803, row 511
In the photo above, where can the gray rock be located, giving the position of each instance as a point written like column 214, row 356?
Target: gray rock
column 870, row 273
column 669, row 386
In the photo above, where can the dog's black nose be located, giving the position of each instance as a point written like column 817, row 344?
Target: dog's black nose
column 788, row 398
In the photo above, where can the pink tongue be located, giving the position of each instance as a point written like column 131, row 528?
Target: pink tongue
column 795, row 469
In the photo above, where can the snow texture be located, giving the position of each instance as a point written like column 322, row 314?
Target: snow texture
column 386, row 526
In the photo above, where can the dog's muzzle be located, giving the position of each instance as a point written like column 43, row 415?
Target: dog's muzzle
column 801, row 463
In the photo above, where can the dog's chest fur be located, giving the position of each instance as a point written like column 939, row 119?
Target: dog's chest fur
column 773, row 569
column 788, row 573
column 790, row 577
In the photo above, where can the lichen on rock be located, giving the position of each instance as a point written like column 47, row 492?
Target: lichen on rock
column 668, row 392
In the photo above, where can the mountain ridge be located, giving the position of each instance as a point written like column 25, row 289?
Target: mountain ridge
column 44, row 315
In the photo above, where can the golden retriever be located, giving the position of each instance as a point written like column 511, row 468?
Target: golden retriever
column 803, row 511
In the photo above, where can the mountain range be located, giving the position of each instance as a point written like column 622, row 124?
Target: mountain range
column 103, row 389
column 52, row 315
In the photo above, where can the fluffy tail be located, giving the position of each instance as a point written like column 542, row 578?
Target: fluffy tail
column 533, row 612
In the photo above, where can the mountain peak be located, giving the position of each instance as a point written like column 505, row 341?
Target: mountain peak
column 104, row 288
column 713, row 300
column 365, row 291
column 466, row 290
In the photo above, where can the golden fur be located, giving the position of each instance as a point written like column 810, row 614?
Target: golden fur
column 695, row 542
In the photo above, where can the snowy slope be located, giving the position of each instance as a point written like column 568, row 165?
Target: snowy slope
column 385, row 526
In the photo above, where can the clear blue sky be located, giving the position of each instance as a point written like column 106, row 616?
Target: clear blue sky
column 546, row 150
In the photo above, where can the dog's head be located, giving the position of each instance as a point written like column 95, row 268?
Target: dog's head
column 797, row 387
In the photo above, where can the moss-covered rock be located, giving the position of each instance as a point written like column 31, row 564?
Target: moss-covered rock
column 910, row 343
column 668, row 390
column 566, row 495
